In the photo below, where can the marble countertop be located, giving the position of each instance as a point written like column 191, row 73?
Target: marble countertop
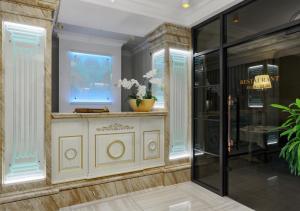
column 107, row 115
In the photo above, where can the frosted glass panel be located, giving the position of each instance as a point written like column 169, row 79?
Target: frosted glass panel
column 23, row 51
column 91, row 78
column 179, row 101
column 158, row 63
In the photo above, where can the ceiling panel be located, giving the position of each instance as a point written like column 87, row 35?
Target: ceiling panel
column 82, row 14
column 137, row 17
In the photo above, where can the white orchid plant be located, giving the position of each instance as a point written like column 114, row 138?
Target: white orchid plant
column 141, row 91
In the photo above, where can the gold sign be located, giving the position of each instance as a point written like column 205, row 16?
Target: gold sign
column 249, row 82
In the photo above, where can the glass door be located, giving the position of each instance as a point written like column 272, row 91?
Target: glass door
column 206, row 163
column 261, row 73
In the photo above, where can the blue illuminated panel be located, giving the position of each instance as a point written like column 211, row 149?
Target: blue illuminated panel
column 158, row 63
column 91, row 78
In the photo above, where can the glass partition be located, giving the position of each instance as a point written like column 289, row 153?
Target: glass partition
column 179, row 72
column 158, row 63
column 24, row 55
column 207, row 36
column 91, row 78
column 261, row 73
column 206, row 151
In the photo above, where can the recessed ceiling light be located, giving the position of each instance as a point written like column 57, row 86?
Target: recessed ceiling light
column 185, row 4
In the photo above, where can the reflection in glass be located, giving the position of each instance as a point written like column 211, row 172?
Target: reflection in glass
column 207, row 120
column 208, row 36
column 260, row 73
column 207, row 101
column 91, row 78
column 253, row 18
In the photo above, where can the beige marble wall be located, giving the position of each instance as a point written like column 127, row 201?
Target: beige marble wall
column 1, row 105
column 165, row 37
column 37, row 13
column 25, row 10
column 43, row 4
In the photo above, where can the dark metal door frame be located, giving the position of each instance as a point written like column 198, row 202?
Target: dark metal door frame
column 223, row 83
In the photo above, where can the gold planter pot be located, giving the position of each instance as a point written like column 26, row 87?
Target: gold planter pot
column 145, row 106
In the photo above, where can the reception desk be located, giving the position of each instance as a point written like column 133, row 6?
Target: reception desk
column 87, row 146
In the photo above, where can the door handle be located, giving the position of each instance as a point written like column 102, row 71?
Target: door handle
column 237, row 119
column 229, row 140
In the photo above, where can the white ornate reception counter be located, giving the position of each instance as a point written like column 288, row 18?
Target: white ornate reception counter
column 92, row 145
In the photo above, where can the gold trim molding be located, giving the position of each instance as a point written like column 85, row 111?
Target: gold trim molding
column 97, row 165
column 70, row 154
column 152, row 146
column 115, row 127
column 113, row 143
column 157, row 144
column 60, row 140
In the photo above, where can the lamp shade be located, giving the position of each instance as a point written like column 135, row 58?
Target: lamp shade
column 262, row 82
column 185, row 4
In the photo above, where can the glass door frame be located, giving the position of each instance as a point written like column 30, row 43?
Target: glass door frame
column 223, row 191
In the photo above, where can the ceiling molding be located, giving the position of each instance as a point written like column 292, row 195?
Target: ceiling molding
column 138, row 17
column 198, row 12
column 141, row 7
column 86, row 38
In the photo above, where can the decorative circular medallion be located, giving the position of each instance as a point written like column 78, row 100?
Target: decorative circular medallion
column 116, row 149
column 152, row 145
column 71, row 154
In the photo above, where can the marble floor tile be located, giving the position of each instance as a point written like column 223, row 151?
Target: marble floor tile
column 118, row 203
column 181, row 197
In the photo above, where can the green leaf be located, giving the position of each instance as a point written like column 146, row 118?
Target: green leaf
column 295, row 157
column 290, row 135
column 298, row 166
column 295, row 130
column 287, row 132
column 298, row 102
column 138, row 102
column 291, row 129
column 280, row 107
column 292, row 146
column 283, row 151
column 288, row 121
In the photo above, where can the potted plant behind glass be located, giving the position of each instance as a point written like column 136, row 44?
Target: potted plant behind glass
column 291, row 129
column 142, row 99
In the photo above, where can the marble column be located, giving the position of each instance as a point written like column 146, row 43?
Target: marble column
column 165, row 37
column 35, row 13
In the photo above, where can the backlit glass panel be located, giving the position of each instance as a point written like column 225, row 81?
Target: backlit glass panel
column 91, row 78
column 158, row 63
column 23, row 57
column 179, row 102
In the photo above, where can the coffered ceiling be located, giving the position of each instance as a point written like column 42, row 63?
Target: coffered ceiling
column 137, row 17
